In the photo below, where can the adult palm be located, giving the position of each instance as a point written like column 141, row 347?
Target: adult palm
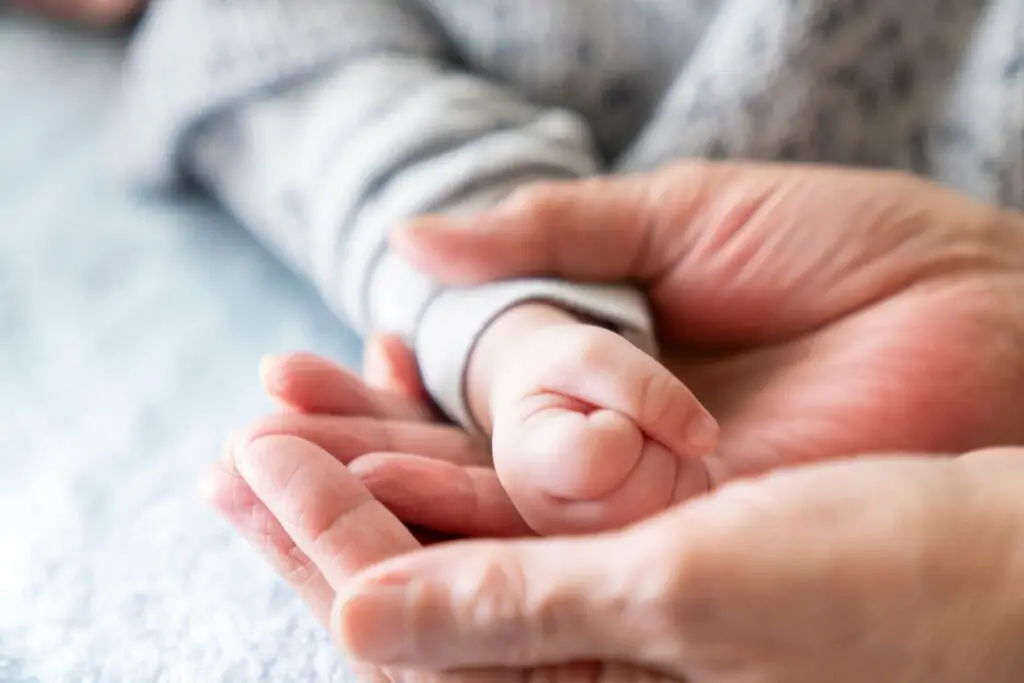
column 815, row 312
column 818, row 313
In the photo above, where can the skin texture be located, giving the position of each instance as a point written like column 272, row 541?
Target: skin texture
column 588, row 432
column 905, row 568
column 788, row 301
column 893, row 331
column 816, row 313
column 786, row 579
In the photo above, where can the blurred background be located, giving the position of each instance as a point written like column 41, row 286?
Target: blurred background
column 130, row 332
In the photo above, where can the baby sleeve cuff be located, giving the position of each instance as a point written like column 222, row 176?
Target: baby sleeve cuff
column 451, row 324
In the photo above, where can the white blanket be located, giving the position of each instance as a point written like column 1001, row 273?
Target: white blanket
column 130, row 333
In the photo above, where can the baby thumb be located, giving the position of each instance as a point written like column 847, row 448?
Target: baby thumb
column 522, row 603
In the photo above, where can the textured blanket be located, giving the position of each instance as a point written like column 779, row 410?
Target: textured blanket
column 130, row 332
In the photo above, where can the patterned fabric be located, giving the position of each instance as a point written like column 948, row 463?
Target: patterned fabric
column 130, row 333
column 324, row 123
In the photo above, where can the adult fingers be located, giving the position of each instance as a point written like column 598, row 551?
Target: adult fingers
column 442, row 496
column 604, row 229
column 333, row 520
column 347, row 438
column 730, row 568
column 325, row 509
column 312, row 522
column 730, row 253
column 512, row 603
column 799, row 573
column 230, row 495
column 224, row 489
column 640, row 226
column 312, row 384
column 390, row 366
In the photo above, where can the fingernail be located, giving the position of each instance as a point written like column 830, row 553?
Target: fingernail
column 703, row 431
column 372, row 625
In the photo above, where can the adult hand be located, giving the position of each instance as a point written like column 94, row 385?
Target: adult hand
column 816, row 312
column 345, row 418
column 898, row 569
column 886, row 570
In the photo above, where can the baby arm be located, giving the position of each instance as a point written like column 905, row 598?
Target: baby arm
column 321, row 142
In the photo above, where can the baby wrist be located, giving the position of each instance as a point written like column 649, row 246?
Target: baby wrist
column 455, row 321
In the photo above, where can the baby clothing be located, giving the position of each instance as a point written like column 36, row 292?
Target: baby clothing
column 322, row 124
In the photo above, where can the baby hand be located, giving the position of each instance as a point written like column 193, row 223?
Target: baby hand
column 588, row 432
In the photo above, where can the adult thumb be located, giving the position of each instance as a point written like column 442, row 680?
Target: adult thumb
column 517, row 603
column 594, row 229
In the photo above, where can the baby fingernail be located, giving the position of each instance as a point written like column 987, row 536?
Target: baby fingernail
column 372, row 626
column 703, row 431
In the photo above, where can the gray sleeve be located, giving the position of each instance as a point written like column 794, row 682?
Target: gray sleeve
column 322, row 161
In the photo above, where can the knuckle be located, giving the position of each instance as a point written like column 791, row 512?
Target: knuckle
column 264, row 531
column 678, row 596
column 499, row 593
column 494, row 601
column 327, row 533
column 296, row 567
column 706, row 565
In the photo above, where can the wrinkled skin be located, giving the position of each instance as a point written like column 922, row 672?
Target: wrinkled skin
column 819, row 314
column 815, row 312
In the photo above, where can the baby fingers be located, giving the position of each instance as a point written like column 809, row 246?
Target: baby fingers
column 596, row 434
